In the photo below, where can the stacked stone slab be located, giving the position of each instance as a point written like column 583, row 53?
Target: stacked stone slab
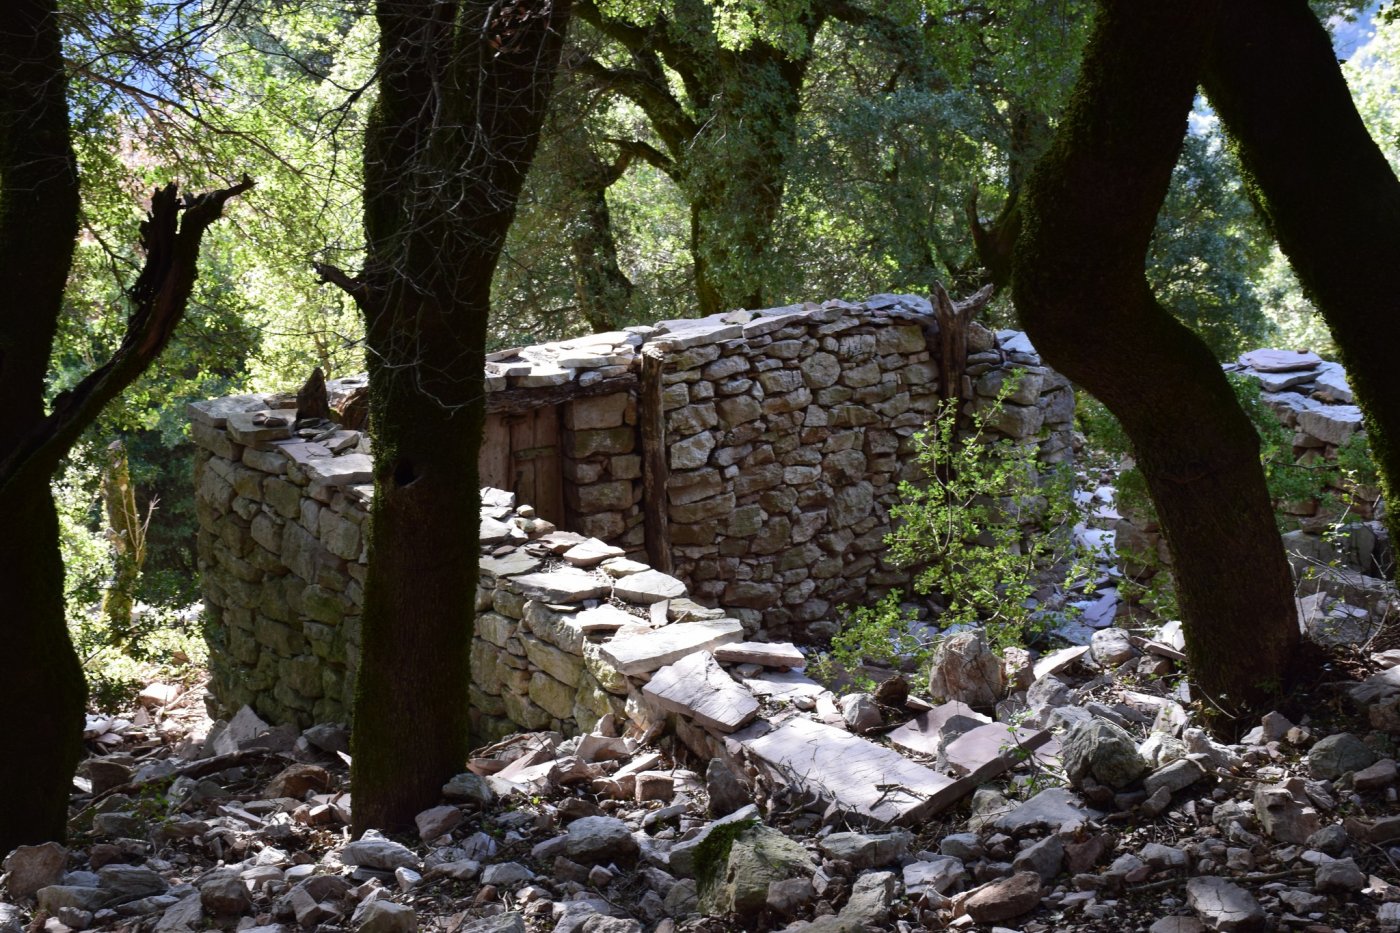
column 281, row 556
column 788, row 432
column 783, row 435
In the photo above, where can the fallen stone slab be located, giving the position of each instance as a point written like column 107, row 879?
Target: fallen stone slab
column 1002, row 743
column 780, row 654
column 647, row 587
column 566, row 585
column 698, row 688
column 1224, row 906
column 784, row 685
column 868, row 782
column 924, row 734
column 1050, row 809
column 650, row 651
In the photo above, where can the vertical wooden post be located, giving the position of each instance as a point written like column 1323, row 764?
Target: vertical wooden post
column 655, row 468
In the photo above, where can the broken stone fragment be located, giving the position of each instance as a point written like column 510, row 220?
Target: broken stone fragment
column 29, row 868
column 698, row 688
column 1223, row 906
column 783, row 654
column 1103, row 750
column 1337, row 754
column 965, row 669
column 644, row 653
column 1003, row 899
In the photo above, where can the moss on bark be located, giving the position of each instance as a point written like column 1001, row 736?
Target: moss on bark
column 1082, row 295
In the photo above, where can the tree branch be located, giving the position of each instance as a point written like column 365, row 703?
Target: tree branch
column 159, row 296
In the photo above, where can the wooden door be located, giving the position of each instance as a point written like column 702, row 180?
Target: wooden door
column 520, row 453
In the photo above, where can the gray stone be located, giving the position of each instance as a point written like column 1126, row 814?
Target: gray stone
column 1337, row 754
column 1050, row 809
column 437, row 821
column 1101, row 749
column 1284, row 813
column 861, row 779
column 647, row 587
column 128, row 882
column 860, row 712
column 470, row 787
column 941, row 874
column 381, row 916
column 1224, row 906
column 55, row 897
column 1111, row 647
column 769, row 654
column 1005, row 898
column 683, row 854
column 1269, row 360
column 600, row 839
column 966, row 670
column 698, row 688
column 506, row 874
column 757, row 857
column 726, row 792
column 1333, row 424
column 866, row 850
column 1178, row 775
column 223, row 893
column 512, row 922
column 642, row 654
column 565, row 585
column 29, row 868
column 1044, row 858
column 378, row 853
column 184, row 916
column 1341, row 877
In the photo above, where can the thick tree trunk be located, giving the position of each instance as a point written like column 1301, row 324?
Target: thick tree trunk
column 1325, row 189
column 1080, row 289
column 41, row 682
column 463, row 89
column 603, row 290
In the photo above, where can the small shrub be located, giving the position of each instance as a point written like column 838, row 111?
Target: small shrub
column 986, row 528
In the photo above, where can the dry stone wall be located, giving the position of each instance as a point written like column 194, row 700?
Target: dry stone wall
column 746, row 460
column 787, row 433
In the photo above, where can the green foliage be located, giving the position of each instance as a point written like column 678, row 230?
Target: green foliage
column 883, row 635
column 964, row 528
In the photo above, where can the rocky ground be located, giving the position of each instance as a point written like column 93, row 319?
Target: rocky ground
column 1111, row 811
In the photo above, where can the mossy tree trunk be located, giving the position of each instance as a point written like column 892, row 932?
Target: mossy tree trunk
column 41, row 681
column 1080, row 288
column 463, row 88
column 1325, row 189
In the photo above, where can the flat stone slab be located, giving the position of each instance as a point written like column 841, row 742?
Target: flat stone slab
column 782, row 654
column 348, row 470
column 1334, row 424
column 508, row 565
column 866, row 781
column 1280, row 361
column 1048, row 809
column 977, row 749
column 566, row 585
column 923, row 734
column 647, row 587
column 251, row 427
column 787, row 685
column 1059, row 660
column 604, row 618
column 697, row 687
column 591, row 551
column 215, row 411
column 649, row 651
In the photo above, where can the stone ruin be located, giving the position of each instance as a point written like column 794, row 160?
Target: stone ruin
column 724, row 478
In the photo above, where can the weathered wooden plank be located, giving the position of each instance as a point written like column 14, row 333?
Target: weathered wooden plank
column 655, row 469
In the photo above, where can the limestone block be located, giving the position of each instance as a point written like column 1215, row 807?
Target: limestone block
column 599, row 412
column 692, row 452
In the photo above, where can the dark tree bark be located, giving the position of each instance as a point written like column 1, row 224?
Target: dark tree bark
column 1326, row 191
column 1080, row 288
column 463, row 88
column 41, row 682
column 603, row 290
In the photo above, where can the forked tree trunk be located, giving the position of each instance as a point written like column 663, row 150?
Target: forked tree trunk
column 1080, row 288
column 1326, row 191
column 463, row 88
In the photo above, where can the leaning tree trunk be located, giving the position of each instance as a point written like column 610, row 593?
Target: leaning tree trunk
column 463, row 89
column 1326, row 191
column 1080, row 288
